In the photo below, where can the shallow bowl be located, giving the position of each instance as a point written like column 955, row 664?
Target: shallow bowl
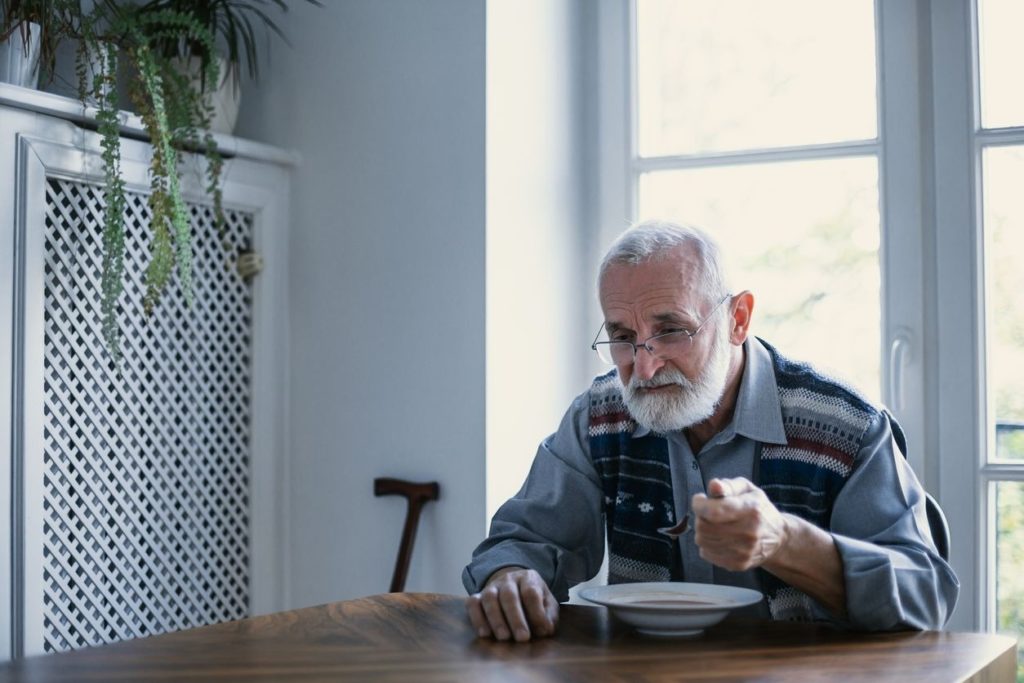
column 670, row 608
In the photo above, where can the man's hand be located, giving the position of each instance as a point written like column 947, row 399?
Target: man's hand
column 515, row 603
column 737, row 527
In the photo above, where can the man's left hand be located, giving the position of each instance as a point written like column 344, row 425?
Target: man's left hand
column 737, row 527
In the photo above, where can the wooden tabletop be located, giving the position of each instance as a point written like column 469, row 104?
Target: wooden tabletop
column 426, row 638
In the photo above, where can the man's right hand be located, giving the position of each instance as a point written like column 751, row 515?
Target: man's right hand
column 515, row 603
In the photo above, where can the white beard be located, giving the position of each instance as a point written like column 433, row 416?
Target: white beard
column 691, row 404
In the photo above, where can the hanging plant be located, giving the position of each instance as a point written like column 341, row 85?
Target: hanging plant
column 153, row 41
column 108, row 125
column 175, row 116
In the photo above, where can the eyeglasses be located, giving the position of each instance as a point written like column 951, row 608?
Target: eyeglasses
column 660, row 346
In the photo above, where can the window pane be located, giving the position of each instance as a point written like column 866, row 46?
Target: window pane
column 1001, row 52
column 1004, row 243
column 1009, row 560
column 741, row 74
column 804, row 238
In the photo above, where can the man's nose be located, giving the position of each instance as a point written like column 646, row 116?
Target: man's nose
column 646, row 364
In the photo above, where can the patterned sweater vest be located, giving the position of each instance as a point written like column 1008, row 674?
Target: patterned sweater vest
column 824, row 422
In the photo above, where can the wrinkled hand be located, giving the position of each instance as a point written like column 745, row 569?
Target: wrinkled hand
column 515, row 603
column 737, row 526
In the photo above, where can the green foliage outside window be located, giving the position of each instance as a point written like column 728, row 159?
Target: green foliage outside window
column 1010, row 558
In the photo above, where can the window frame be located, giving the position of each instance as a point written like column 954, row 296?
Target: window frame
column 988, row 471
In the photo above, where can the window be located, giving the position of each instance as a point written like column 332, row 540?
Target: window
column 1000, row 141
column 861, row 162
column 757, row 121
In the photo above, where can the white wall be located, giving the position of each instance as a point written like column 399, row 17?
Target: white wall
column 384, row 100
column 536, row 294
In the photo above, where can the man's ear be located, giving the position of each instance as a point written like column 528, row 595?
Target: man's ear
column 741, row 310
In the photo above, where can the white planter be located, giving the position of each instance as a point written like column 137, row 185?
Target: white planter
column 19, row 62
column 225, row 99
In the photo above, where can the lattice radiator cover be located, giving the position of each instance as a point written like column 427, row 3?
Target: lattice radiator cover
column 146, row 471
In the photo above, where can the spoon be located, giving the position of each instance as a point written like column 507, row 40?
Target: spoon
column 681, row 527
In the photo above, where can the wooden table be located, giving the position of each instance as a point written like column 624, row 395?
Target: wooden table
column 426, row 638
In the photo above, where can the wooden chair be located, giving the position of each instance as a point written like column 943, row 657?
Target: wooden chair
column 416, row 495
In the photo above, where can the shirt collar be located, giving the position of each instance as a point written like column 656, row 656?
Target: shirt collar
column 758, row 413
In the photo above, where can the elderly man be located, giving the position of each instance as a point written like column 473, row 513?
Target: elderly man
column 794, row 480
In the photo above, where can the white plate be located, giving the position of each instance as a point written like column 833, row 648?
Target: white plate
column 670, row 609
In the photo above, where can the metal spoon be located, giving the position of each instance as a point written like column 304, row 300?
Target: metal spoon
column 681, row 527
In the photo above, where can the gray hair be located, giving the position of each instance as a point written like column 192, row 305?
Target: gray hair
column 654, row 239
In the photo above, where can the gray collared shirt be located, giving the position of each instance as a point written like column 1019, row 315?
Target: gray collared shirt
column 894, row 575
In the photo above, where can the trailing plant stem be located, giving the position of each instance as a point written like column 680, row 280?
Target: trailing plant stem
column 114, row 198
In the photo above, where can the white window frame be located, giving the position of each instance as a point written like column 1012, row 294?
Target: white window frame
column 956, row 394
column 932, row 333
column 963, row 418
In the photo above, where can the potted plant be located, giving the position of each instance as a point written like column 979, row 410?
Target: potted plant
column 233, row 24
column 176, row 111
column 175, row 118
column 155, row 38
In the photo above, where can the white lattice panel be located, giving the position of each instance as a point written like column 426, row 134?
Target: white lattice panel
column 146, row 472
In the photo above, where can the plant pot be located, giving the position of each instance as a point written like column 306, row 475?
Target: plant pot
column 19, row 56
column 225, row 98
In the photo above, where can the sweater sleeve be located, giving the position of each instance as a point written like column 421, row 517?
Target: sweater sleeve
column 894, row 575
column 554, row 524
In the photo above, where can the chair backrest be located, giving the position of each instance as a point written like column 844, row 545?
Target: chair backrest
column 936, row 519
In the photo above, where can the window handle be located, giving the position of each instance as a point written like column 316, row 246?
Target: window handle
column 899, row 355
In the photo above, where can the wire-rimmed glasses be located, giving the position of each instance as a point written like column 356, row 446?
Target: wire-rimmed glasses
column 661, row 346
